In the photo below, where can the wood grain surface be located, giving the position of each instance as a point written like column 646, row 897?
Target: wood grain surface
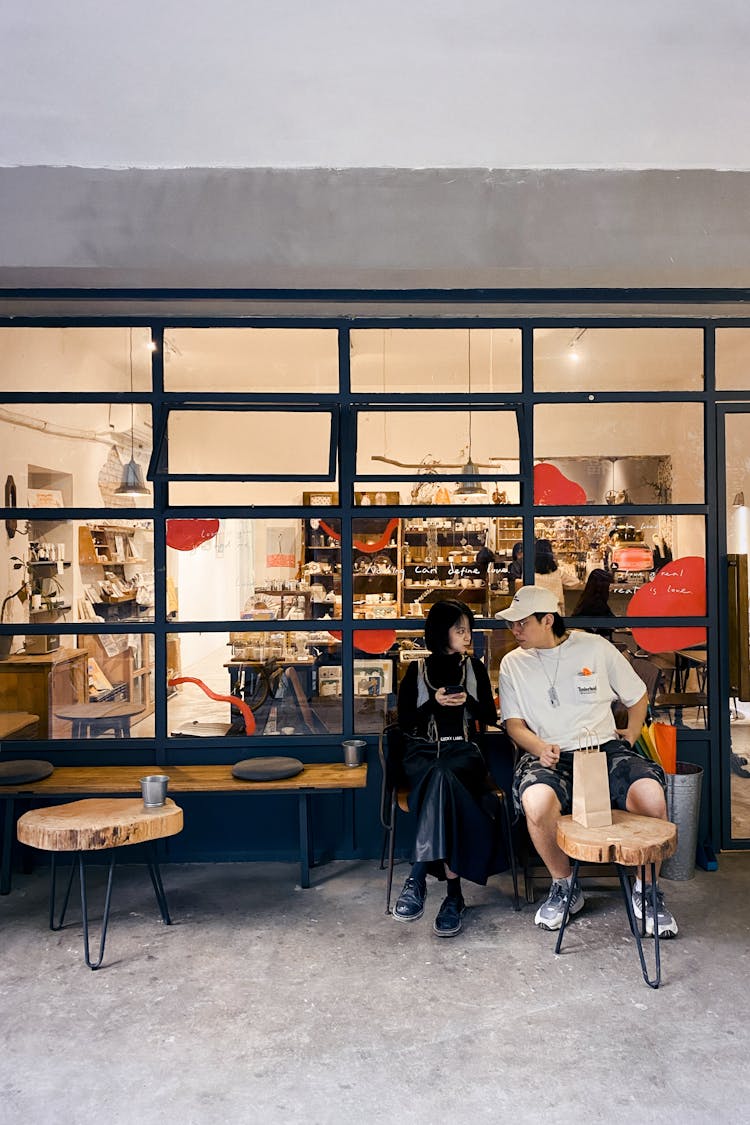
column 97, row 823
column 629, row 840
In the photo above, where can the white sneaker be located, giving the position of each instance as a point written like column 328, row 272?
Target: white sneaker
column 550, row 914
column 667, row 924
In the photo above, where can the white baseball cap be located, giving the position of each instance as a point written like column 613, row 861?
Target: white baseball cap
column 528, row 600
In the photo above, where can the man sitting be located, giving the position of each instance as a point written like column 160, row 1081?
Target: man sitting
column 553, row 687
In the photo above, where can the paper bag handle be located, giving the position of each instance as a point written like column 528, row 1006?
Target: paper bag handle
column 588, row 742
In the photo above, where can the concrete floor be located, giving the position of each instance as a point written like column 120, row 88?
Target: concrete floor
column 267, row 1003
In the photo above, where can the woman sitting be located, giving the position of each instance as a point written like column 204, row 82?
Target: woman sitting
column 443, row 701
column 593, row 600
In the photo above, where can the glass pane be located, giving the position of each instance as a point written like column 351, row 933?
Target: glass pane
column 255, row 570
column 418, row 360
column 250, row 494
column 282, row 360
column 75, row 454
column 624, row 556
column 77, row 688
column 738, row 585
column 436, row 441
column 272, row 442
column 733, row 359
column 287, row 682
column 71, row 571
column 610, row 453
column 75, row 359
column 618, row 359
column 432, row 490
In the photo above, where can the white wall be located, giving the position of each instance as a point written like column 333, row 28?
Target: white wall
column 377, row 83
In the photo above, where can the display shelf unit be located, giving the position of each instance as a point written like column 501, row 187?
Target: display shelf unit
column 110, row 548
column 125, row 660
column 439, row 561
column 321, row 565
column 376, row 582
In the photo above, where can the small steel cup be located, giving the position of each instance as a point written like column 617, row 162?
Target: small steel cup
column 353, row 751
column 154, row 789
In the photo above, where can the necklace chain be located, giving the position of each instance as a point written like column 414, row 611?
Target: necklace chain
column 552, row 695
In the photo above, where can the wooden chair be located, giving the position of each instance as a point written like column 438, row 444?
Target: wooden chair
column 394, row 795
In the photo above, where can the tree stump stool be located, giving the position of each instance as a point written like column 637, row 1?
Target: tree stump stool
column 90, row 720
column 95, row 825
column 630, row 841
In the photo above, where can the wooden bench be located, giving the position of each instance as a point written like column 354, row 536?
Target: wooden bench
column 111, row 781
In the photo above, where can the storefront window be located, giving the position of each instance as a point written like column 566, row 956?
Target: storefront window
column 76, row 359
column 276, row 360
column 75, row 454
column 733, row 359
column 255, row 570
column 619, row 453
column 288, row 683
column 618, row 359
column 425, row 360
column 93, row 686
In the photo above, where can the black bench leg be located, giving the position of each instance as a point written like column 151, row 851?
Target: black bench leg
column 305, row 839
column 53, row 925
column 10, row 808
column 391, row 854
column 505, row 813
column 568, row 898
column 155, row 873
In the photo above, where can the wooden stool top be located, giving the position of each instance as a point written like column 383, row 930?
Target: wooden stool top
column 93, row 712
column 18, row 724
column 97, row 823
column 630, row 840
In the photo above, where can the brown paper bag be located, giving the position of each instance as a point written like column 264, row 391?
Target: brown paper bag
column 591, row 805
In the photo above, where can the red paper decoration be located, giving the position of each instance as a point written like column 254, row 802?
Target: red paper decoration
column 678, row 590
column 186, row 535
column 553, row 487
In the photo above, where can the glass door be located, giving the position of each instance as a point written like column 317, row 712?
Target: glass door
column 737, row 517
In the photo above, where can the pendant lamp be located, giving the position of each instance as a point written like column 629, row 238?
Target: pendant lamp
column 132, row 483
column 470, row 487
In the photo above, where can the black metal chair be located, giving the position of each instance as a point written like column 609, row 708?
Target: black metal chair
column 394, row 795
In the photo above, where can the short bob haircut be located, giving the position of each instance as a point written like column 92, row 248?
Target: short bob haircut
column 441, row 618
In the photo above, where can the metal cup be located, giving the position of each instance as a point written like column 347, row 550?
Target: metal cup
column 353, row 751
column 154, row 790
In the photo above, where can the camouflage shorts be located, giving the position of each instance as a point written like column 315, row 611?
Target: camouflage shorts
column 624, row 764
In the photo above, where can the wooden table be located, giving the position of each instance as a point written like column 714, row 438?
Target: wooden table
column 630, row 841
column 95, row 825
column 90, row 720
column 18, row 724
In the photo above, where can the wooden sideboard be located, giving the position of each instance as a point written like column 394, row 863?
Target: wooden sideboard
column 41, row 684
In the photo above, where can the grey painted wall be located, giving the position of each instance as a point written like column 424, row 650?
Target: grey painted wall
column 268, row 228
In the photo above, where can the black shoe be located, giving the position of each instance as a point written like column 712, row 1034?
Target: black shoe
column 410, row 903
column 448, row 921
column 738, row 765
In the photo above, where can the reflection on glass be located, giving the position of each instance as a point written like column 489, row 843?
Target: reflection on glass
column 257, row 683
column 626, row 453
column 74, row 454
column 618, row 359
column 436, row 442
column 77, row 688
column 419, row 360
column 254, row 570
column 75, row 359
column 278, row 360
column 738, row 590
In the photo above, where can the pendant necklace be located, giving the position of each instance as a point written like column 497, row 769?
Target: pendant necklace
column 552, row 695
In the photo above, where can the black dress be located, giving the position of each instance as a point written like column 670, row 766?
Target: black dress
column 446, row 772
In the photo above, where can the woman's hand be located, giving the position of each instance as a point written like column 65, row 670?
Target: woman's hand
column 445, row 700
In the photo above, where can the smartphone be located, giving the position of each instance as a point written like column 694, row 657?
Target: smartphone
column 455, row 689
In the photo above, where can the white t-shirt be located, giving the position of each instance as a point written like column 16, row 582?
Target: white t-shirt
column 588, row 674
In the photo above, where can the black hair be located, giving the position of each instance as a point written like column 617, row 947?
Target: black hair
column 558, row 625
column 442, row 617
column 517, row 550
column 544, row 558
column 593, row 599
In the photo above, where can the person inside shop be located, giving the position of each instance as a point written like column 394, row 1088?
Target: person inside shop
column 515, row 566
column 547, row 573
column 443, row 702
column 546, row 702
column 593, row 601
column 484, row 557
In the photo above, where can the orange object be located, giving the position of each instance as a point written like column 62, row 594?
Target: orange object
column 665, row 737
column 240, row 704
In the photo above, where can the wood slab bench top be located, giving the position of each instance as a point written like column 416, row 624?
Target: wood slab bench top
column 630, row 840
column 189, row 779
column 97, row 823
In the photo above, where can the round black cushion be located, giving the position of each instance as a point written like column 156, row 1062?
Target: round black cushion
column 267, row 769
column 19, row 771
